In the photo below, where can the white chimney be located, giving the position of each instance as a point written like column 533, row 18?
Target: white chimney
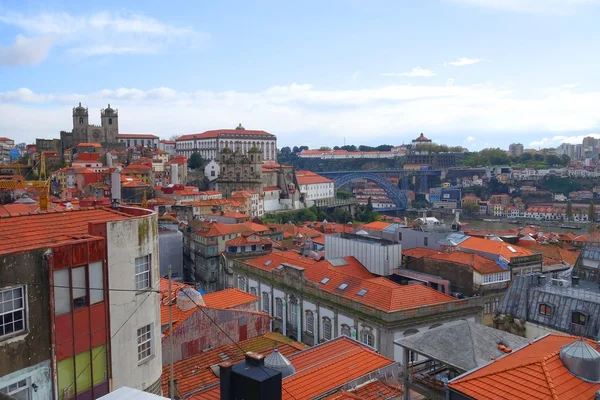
column 174, row 174
column 115, row 186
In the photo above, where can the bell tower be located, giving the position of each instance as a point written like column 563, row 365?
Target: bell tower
column 110, row 122
column 80, row 118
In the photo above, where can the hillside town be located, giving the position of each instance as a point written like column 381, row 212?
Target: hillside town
column 217, row 265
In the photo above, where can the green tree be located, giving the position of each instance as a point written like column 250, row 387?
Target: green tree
column 592, row 214
column 195, row 161
column 565, row 159
column 551, row 160
column 470, row 209
column 286, row 151
column 569, row 211
column 325, row 148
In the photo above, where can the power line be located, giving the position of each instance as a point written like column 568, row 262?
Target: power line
column 81, row 288
column 113, row 336
column 228, row 337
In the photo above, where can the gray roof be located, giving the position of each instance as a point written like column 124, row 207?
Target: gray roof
column 527, row 292
column 462, row 344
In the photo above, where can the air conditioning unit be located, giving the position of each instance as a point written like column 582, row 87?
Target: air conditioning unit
column 560, row 282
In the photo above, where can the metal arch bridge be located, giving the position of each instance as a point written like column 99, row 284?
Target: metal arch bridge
column 397, row 195
column 394, row 193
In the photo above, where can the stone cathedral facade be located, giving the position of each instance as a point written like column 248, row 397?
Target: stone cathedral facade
column 84, row 132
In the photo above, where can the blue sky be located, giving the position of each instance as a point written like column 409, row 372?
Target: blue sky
column 477, row 73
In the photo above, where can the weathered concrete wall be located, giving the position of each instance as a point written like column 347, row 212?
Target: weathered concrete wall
column 459, row 275
column 38, row 374
column 198, row 332
column 31, row 347
column 171, row 253
column 127, row 240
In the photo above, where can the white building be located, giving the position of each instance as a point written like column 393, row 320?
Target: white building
column 139, row 139
column 168, row 146
column 314, row 186
column 316, row 301
column 379, row 256
column 212, row 170
column 133, row 264
column 210, row 143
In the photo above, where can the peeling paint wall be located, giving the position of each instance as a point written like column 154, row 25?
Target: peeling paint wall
column 38, row 374
column 127, row 240
column 198, row 333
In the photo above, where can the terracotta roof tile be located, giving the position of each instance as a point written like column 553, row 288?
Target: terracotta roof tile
column 375, row 390
column 375, row 226
column 500, row 248
column 194, row 372
column 48, row 229
column 533, row 372
column 228, row 298
column 478, row 263
column 418, row 252
column 220, row 132
column 381, row 293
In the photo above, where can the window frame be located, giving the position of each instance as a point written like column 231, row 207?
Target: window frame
column 279, row 308
column 22, row 308
column 545, row 309
column 21, row 386
column 149, row 341
column 327, row 329
column 579, row 314
column 145, row 272
column 266, row 306
column 370, row 338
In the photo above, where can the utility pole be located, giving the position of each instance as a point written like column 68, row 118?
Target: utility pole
column 171, row 384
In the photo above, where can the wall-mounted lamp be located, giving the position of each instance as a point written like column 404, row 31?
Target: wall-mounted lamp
column 35, row 387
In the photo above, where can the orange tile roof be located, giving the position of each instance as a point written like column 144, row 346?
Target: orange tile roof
column 323, row 368
column 194, row 372
column 478, row 263
column 500, row 248
column 376, row 390
column 375, row 226
column 418, row 252
column 270, row 188
column 211, row 229
column 248, row 240
column 310, row 178
column 381, row 293
column 228, row 298
column 136, row 136
column 554, row 254
column 533, row 372
column 48, row 229
column 231, row 214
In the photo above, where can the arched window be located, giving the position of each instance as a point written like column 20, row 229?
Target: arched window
column 265, row 304
column 110, row 121
column 346, row 330
column 278, row 308
column 326, row 328
column 81, row 120
column 367, row 337
column 579, row 318
column 242, row 283
column 545, row 309
column 410, row 332
column 293, row 311
column 253, row 290
column 310, row 322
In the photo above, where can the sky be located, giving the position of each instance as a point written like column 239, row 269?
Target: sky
column 472, row 73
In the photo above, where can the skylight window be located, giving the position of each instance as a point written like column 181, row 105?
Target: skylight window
column 324, row 280
column 268, row 262
column 362, row 292
column 343, row 286
column 279, row 267
column 512, row 249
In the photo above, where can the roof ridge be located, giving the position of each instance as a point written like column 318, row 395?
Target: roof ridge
column 548, row 377
column 525, row 364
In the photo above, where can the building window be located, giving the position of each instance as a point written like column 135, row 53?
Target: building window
column 326, row 328
column 110, row 121
column 18, row 390
column 579, row 318
column 496, row 304
column 425, row 241
column 79, row 287
column 486, row 307
column 253, row 291
column 346, row 330
column 310, row 322
column 144, row 340
column 142, row 272
column 293, row 313
column 81, row 120
column 367, row 337
column 242, row 283
column 12, row 311
column 278, row 308
column 545, row 309
column 265, row 300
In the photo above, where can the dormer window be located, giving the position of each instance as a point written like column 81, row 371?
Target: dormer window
column 545, row 309
column 578, row 318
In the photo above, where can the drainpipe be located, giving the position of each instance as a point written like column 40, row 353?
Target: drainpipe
column 49, row 258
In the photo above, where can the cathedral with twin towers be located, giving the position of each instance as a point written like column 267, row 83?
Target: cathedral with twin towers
column 84, row 132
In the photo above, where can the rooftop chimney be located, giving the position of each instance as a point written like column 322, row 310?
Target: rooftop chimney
column 249, row 380
column 574, row 280
column 115, row 187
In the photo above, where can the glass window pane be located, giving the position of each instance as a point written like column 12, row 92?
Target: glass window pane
column 83, row 371
column 66, row 377
column 62, row 298
column 96, row 283
column 79, row 282
column 99, row 364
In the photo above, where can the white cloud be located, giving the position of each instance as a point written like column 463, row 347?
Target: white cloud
column 103, row 33
column 530, row 6
column 26, row 51
column 461, row 62
column 556, row 141
column 395, row 113
column 415, row 72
